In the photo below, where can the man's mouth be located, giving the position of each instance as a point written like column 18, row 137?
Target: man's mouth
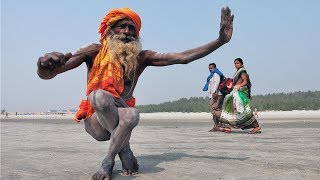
column 126, row 39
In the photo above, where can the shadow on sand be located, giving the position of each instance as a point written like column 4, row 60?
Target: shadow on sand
column 148, row 164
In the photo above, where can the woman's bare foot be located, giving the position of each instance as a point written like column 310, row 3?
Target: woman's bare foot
column 255, row 130
column 226, row 130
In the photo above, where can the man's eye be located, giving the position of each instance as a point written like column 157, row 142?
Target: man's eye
column 123, row 26
column 132, row 27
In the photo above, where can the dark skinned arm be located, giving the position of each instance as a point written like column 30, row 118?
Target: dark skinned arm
column 244, row 82
column 55, row 63
column 164, row 59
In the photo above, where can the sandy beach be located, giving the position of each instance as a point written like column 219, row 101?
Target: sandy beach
column 167, row 146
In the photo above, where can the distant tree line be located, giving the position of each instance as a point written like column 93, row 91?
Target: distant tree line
column 278, row 101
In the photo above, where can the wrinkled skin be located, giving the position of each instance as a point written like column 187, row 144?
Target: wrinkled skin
column 113, row 120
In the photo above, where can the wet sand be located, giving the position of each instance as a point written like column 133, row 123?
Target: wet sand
column 166, row 148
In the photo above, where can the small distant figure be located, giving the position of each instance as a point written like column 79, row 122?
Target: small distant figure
column 7, row 115
column 16, row 113
column 255, row 113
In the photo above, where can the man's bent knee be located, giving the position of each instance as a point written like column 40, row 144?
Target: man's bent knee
column 93, row 127
column 101, row 100
column 102, row 138
column 129, row 117
column 99, row 136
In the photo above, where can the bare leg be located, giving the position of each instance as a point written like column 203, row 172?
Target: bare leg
column 108, row 117
column 93, row 127
column 129, row 162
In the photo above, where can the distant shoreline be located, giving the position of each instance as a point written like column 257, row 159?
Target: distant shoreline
column 181, row 115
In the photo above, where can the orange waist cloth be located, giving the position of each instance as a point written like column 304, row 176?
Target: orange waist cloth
column 131, row 102
column 86, row 110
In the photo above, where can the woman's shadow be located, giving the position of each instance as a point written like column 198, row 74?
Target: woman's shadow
column 148, row 163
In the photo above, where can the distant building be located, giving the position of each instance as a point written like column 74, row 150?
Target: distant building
column 62, row 111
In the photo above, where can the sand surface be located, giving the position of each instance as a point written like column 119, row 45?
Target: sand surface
column 167, row 146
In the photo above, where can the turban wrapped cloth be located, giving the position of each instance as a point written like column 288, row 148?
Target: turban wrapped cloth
column 115, row 15
column 107, row 74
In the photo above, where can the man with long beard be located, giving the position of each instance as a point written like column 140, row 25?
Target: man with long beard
column 114, row 67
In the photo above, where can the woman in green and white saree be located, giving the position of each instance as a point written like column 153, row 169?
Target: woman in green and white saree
column 236, row 110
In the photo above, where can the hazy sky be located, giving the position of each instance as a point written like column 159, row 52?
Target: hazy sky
column 278, row 41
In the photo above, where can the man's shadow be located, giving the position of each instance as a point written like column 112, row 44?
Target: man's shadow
column 148, row 163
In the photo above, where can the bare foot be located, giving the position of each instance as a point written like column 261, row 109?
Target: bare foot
column 129, row 162
column 215, row 129
column 255, row 130
column 105, row 172
column 226, row 130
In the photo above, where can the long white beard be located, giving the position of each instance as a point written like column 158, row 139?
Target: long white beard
column 126, row 53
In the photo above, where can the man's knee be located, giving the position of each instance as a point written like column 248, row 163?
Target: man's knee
column 102, row 138
column 93, row 128
column 129, row 117
column 99, row 137
column 101, row 100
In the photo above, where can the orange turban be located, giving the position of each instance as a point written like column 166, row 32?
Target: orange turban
column 115, row 15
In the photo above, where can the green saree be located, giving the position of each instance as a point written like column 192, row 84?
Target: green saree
column 236, row 109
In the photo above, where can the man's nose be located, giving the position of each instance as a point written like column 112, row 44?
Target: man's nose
column 126, row 30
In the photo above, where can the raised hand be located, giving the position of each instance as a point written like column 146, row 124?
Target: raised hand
column 53, row 60
column 48, row 65
column 226, row 25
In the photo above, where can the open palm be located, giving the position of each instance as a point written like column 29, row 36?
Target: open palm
column 226, row 25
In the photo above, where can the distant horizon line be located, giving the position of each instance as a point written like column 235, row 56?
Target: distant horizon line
column 75, row 109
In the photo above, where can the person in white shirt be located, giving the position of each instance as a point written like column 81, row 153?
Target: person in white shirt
column 216, row 98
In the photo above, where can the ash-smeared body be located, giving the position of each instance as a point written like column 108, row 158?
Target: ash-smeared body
column 113, row 120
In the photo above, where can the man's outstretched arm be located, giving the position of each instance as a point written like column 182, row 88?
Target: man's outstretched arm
column 55, row 63
column 163, row 59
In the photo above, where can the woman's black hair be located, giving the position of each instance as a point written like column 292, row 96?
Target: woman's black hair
column 239, row 59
